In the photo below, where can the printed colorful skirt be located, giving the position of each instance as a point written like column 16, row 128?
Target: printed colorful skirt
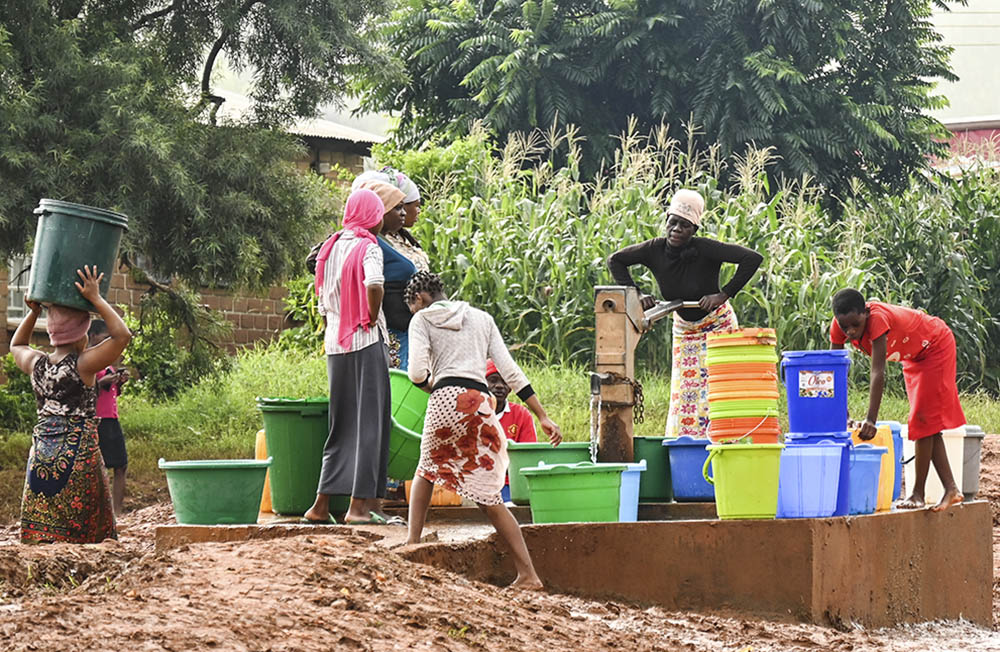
column 463, row 447
column 688, row 413
column 66, row 495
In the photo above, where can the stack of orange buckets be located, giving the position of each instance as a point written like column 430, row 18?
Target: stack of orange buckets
column 743, row 386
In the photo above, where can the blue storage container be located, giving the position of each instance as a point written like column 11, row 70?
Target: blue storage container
column 866, row 464
column 809, row 480
column 842, row 439
column 897, row 445
column 816, row 384
column 628, row 507
column 687, row 458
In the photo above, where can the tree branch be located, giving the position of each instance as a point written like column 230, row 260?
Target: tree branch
column 156, row 15
column 206, row 75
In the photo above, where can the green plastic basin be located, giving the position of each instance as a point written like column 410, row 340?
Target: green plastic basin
column 68, row 237
column 743, row 408
column 296, row 430
column 215, row 492
column 409, row 405
column 404, row 452
column 731, row 354
column 654, row 483
column 584, row 492
column 531, row 454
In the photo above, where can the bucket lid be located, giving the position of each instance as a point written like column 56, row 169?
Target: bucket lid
column 82, row 210
column 281, row 404
column 825, row 353
column 214, row 464
column 636, row 466
column 542, row 445
column 975, row 432
column 578, row 467
column 870, row 450
column 688, row 440
column 838, row 434
column 744, row 447
column 743, row 332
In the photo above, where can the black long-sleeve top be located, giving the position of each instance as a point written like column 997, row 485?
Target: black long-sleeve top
column 687, row 273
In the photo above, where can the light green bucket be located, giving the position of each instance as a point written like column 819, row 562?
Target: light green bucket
column 745, row 478
column 737, row 408
column 731, row 354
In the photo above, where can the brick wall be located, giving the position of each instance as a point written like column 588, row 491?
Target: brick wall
column 254, row 317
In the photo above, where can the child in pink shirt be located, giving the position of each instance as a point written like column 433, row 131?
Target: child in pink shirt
column 111, row 439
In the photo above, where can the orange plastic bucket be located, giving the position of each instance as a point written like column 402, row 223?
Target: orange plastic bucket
column 749, row 393
column 735, row 384
column 743, row 337
column 742, row 368
column 765, row 430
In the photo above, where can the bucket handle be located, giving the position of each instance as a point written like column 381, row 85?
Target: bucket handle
column 707, row 466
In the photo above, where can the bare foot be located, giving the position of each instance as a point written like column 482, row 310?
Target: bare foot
column 315, row 515
column 913, row 502
column 951, row 497
column 527, row 584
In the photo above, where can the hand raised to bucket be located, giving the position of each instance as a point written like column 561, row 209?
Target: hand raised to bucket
column 91, row 287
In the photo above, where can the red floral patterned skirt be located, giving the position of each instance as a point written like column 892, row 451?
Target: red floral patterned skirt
column 688, row 414
column 463, row 447
column 66, row 495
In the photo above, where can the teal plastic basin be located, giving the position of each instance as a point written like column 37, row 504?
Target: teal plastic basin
column 216, row 492
column 584, row 492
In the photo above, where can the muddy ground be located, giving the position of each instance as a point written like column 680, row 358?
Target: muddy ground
column 347, row 591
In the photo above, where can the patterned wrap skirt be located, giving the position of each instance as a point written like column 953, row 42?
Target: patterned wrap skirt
column 688, row 413
column 463, row 446
column 66, row 495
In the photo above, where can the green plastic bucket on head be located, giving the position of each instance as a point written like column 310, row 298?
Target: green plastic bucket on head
column 654, row 483
column 68, row 237
column 215, row 492
column 533, row 453
column 296, row 430
column 584, row 492
column 409, row 405
column 745, row 478
column 732, row 354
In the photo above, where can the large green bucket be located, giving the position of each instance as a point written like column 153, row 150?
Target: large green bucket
column 215, row 492
column 745, row 478
column 654, row 483
column 295, row 430
column 584, row 492
column 68, row 237
column 409, row 404
column 531, row 454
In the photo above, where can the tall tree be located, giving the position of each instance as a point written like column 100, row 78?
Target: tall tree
column 110, row 103
column 838, row 87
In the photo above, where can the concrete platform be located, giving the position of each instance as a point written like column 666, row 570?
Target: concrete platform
column 647, row 512
column 877, row 570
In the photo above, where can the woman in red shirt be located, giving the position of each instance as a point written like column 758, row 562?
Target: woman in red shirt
column 926, row 348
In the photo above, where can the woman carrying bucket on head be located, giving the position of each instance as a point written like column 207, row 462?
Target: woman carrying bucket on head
column 687, row 268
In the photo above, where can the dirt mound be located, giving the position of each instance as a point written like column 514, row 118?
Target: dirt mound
column 989, row 475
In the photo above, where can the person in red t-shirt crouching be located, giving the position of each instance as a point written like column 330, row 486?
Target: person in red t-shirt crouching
column 926, row 348
column 515, row 419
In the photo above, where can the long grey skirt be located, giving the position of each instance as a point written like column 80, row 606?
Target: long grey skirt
column 356, row 453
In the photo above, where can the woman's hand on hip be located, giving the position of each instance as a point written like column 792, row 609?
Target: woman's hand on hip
column 710, row 302
column 551, row 431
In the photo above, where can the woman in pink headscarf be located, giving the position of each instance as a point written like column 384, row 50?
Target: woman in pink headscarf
column 349, row 282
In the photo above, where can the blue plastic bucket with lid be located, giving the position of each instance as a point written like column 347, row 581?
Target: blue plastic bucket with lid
column 816, row 386
column 897, row 445
column 842, row 439
column 866, row 465
column 809, row 480
column 687, row 458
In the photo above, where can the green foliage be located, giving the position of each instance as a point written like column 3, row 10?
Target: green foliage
column 17, row 398
column 174, row 343
column 530, row 243
column 302, row 308
column 840, row 89
column 110, row 104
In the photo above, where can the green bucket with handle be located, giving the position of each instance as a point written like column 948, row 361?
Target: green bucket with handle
column 68, row 237
column 745, row 477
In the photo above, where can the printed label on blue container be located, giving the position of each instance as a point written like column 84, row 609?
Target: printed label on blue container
column 815, row 384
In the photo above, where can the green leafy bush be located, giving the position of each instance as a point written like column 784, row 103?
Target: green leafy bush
column 17, row 399
column 301, row 308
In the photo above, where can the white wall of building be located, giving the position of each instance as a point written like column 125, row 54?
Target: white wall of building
column 974, row 32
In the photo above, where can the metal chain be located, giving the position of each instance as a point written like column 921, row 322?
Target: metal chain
column 638, row 409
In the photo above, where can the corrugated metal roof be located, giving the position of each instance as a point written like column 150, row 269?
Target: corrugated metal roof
column 237, row 106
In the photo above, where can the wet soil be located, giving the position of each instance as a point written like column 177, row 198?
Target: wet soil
column 348, row 591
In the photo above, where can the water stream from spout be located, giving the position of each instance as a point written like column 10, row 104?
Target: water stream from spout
column 595, row 425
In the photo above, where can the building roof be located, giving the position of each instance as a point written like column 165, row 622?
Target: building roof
column 237, row 106
column 973, row 123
